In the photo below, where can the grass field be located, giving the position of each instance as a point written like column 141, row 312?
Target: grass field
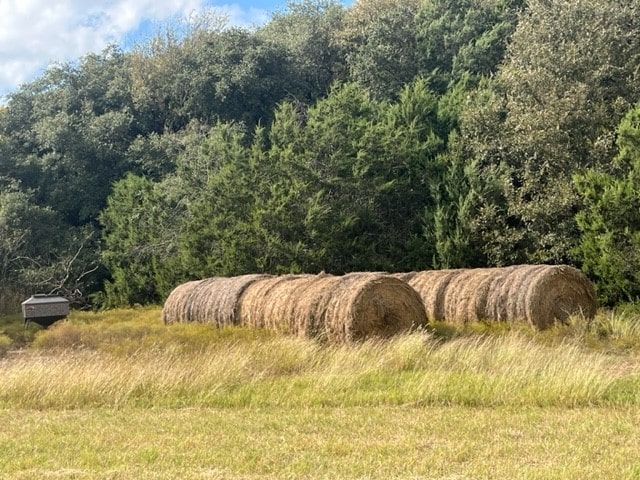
column 118, row 395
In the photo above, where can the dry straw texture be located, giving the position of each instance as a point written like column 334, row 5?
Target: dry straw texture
column 539, row 294
column 432, row 286
column 212, row 300
column 264, row 304
column 174, row 309
column 333, row 308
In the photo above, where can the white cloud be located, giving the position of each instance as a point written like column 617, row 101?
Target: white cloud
column 34, row 33
column 245, row 17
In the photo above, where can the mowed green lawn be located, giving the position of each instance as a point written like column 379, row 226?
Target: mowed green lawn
column 383, row 442
column 121, row 396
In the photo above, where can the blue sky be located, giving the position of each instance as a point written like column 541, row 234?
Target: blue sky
column 36, row 33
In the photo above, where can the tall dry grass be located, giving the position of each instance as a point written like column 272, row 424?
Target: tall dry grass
column 240, row 369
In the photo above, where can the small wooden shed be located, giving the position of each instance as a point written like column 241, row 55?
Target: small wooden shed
column 45, row 309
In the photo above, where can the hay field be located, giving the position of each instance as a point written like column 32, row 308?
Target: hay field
column 121, row 395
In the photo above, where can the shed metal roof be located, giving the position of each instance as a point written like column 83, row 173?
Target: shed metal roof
column 44, row 300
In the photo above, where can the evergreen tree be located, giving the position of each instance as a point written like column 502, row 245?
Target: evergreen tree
column 142, row 225
column 463, row 37
column 610, row 222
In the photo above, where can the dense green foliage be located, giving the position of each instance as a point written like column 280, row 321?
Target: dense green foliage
column 610, row 222
column 552, row 111
column 390, row 135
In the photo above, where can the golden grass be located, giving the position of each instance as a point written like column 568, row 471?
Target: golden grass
column 76, row 364
column 127, row 332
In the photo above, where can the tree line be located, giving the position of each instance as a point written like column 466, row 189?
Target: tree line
column 389, row 135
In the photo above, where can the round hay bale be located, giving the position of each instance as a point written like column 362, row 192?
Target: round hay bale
column 280, row 310
column 212, row 300
column 256, row 304
column 365, row 305
column 515, row 290
column 465, row 295
column 432, row 285
column 304, row 318
column 489, row 281
column 333, row 308
column 173, row 309
column 219, row 299
column 308, row 312
column 194, row 304
column 539, row 294
column 556, row 293
column 495, row 307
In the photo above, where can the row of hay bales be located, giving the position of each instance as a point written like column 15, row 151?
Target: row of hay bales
column 363, row 305
column 328, row 307
column 538, row 294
